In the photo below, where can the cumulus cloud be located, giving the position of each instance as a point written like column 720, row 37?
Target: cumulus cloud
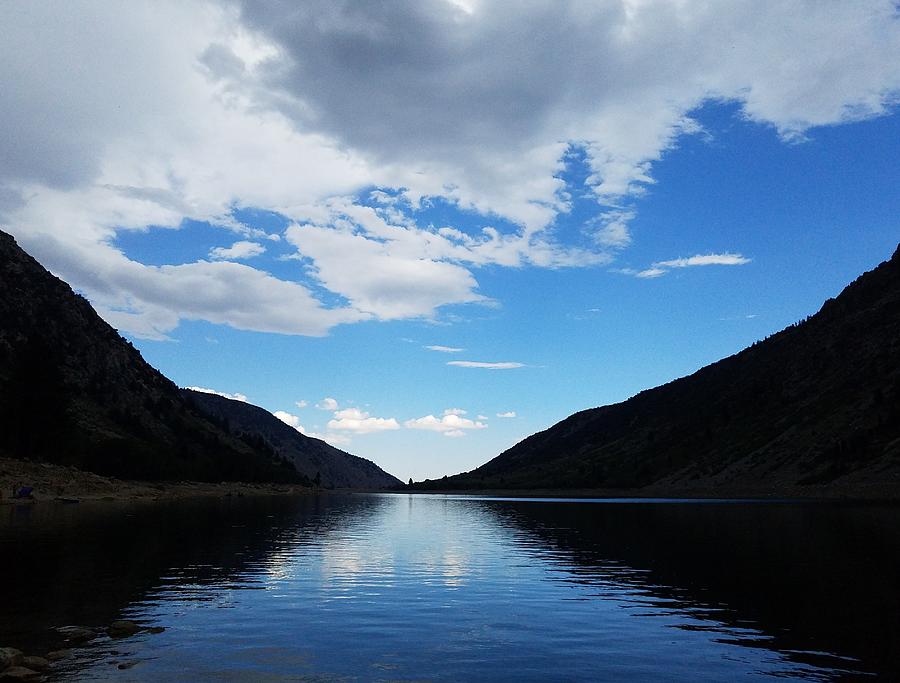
column 235, row 396
column 301, row 403
column 504, row 365
column 360, row 422
column 508, row 413
column 289, row 419
column 450, row 424
column 168, row 113
column 327, row 403
column 239, row 250
column 444, row 349
column 328, row 437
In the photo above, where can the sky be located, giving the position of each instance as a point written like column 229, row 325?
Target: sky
column 425, row 230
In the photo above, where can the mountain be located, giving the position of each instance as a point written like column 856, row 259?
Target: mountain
column 72, row 391
column 312, row 457
column 815, row 407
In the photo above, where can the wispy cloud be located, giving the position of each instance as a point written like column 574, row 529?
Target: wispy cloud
column 237, row 251
column 506, row 365
column 301, row 403
column 508, row 413
column 225, row 394
column 726, row 259
column 747, row 316
column 327, row 403
column 444, row 349
column 660, row 268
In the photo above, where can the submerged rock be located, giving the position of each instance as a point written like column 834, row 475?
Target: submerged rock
column 19, row 673
column 56, row 655
column 123, row 628
column 77, row 634
column 36, row 663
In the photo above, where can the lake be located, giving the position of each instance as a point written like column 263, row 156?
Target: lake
column 399, row 587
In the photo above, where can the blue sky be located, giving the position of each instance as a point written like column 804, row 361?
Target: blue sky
column 288, row 207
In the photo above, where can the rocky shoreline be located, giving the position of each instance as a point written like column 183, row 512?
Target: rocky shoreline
column 15, row 665
column 69, row 485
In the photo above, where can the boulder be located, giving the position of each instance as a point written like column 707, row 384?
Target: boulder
column 9, row 656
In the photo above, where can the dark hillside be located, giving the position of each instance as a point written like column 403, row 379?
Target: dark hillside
column 330, row 466
column 815, row 404
column 73, row 391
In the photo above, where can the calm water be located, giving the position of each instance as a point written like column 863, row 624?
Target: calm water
column 398, row 587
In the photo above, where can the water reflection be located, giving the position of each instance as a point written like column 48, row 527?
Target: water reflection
column 454, row 588
column 816, row 582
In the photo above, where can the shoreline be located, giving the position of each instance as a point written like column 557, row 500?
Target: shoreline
column 66, row 484
column 869, row 493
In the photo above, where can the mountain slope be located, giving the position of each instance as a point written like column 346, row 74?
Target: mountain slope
column 312, row 457
column 72, row 391
column 818, row 403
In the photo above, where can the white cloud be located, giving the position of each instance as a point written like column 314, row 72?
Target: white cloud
column 328, row 437
column 377, row 277
column 651, row 272
column 163, row 112
column 237, row 251
column 614, row 230
column 444, row 349
column 450, row 424
column 455, row 411
column 301, row 403
column 235, row 396
column 289, row 419
column 360, row 422
column 508, row 413
column 482, row 417
column 660, row 268
column 704, row 260
column 327, row 403
column 489, row 366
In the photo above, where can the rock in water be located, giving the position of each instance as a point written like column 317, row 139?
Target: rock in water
column 19, row 673
column 77, row 634
column 36, row 663
column 123, row 628
column 56, row 655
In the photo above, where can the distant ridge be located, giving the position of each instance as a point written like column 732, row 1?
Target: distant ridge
column 72, row 391
column 816, row 405
column 317, row 460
